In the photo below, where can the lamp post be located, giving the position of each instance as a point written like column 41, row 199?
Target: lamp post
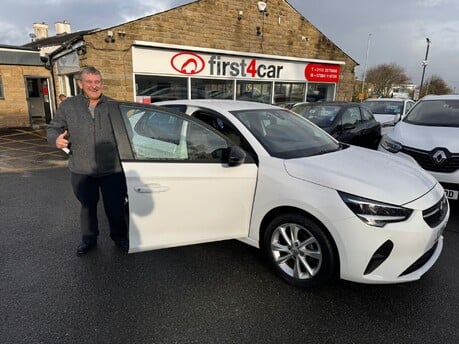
column 365, row 67
column 424, row 65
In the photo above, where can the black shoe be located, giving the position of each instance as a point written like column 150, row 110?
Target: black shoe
column 85, row 248
column 123, row 245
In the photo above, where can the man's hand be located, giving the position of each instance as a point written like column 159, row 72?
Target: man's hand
column 61, row 141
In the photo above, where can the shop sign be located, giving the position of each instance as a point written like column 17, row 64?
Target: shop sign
column 215, row 65
column 187, row 63
column 318, row 72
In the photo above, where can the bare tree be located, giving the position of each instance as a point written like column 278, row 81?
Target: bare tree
column 383, row 77
column 436, row 85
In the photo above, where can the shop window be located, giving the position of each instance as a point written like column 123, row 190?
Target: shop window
column 157, row 88
column 2, row 95
column 254, row 91
column 73, row 86
column 68, row 84
column 320, row 92
column 212, row 89
column 286, row 93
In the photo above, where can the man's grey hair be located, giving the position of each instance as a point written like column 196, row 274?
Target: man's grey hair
column 89, row 70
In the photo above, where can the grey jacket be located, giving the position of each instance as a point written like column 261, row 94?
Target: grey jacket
column 92, row 143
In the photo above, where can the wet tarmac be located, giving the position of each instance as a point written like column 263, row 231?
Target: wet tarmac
column 23, row 149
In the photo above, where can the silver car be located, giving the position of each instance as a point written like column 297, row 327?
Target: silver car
column 429, row 136
column 388, row 111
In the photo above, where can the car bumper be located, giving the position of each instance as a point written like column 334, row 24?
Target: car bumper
column 395, row 253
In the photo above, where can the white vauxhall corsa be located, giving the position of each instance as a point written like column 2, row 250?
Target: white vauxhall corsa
column 266, row 176
column 429, row 137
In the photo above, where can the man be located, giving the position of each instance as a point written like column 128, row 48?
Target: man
column 82, row 127
column 62, row 97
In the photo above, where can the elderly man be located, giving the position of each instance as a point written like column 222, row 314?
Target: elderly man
column 82, row 127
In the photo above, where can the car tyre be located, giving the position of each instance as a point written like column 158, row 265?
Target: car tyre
column 299, row 250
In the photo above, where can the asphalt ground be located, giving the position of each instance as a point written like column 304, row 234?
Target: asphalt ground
column 27, row 149
column 221, row 292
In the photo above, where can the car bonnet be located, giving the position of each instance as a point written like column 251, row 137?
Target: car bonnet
column 426, row 137
column 384, row 118
column 365, row 173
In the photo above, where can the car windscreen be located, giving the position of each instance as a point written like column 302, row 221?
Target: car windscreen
column 384, row 107
column 443, row 113
column 285, row 134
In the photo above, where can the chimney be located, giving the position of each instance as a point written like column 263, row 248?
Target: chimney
column 62, row 27
column 40, row 30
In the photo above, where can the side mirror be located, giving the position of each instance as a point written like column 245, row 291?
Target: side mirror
column 397, row 118
column 348, row 126
column 236, row 156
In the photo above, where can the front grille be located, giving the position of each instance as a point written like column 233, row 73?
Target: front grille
column 436, row 214
column 420, row 262
column 426, row 161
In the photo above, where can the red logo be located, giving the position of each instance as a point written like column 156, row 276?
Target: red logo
column 322, row 72
column 188, row 63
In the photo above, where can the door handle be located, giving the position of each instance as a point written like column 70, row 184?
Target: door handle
column 151, row 188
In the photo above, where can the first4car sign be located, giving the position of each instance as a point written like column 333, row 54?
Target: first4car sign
column 251, row 68
column 216, row 65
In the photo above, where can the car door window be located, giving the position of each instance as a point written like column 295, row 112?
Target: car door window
column 366, row 115
column 158, row 135
column 222, row 125
column 351, row 116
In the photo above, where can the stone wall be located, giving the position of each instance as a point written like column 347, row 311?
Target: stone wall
column 14, row 111
column 215, row 24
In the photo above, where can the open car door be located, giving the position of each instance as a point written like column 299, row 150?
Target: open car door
column 185, row 183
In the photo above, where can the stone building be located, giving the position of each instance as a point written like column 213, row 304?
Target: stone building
column 136, row 57
column 24, row 88
column 259, row 50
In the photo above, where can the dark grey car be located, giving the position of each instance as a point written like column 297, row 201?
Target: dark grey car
column 348, row 122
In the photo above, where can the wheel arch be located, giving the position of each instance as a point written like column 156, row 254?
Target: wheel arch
column 273, row 213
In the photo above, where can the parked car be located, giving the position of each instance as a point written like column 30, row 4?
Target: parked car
column 346, row 121
column 261, row 174
column 388, row 111
column 429, row 136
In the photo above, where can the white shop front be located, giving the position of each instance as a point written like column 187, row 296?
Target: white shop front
column 164, row 72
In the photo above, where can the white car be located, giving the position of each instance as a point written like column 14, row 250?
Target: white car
column 268, row 177
column 429, row 136
column 388, row 111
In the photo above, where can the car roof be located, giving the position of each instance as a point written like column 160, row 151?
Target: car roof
column 441, row 97
column 221, row 104
column 386, row 99
column 327, row 103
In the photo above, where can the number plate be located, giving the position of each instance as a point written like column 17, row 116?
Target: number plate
column 452, row 194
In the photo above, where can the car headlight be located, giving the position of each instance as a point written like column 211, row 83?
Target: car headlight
column 375, row 213
column 390, row 145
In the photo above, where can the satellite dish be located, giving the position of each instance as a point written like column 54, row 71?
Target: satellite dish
column 32, row 36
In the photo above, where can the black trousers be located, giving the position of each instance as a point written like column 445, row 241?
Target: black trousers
column 87, row 190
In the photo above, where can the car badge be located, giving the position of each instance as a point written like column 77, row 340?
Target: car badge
column 439, row 157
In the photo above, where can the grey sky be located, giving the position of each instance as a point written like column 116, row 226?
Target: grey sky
column 398, row 28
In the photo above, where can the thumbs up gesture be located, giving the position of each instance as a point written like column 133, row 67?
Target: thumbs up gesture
column 61, row 141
